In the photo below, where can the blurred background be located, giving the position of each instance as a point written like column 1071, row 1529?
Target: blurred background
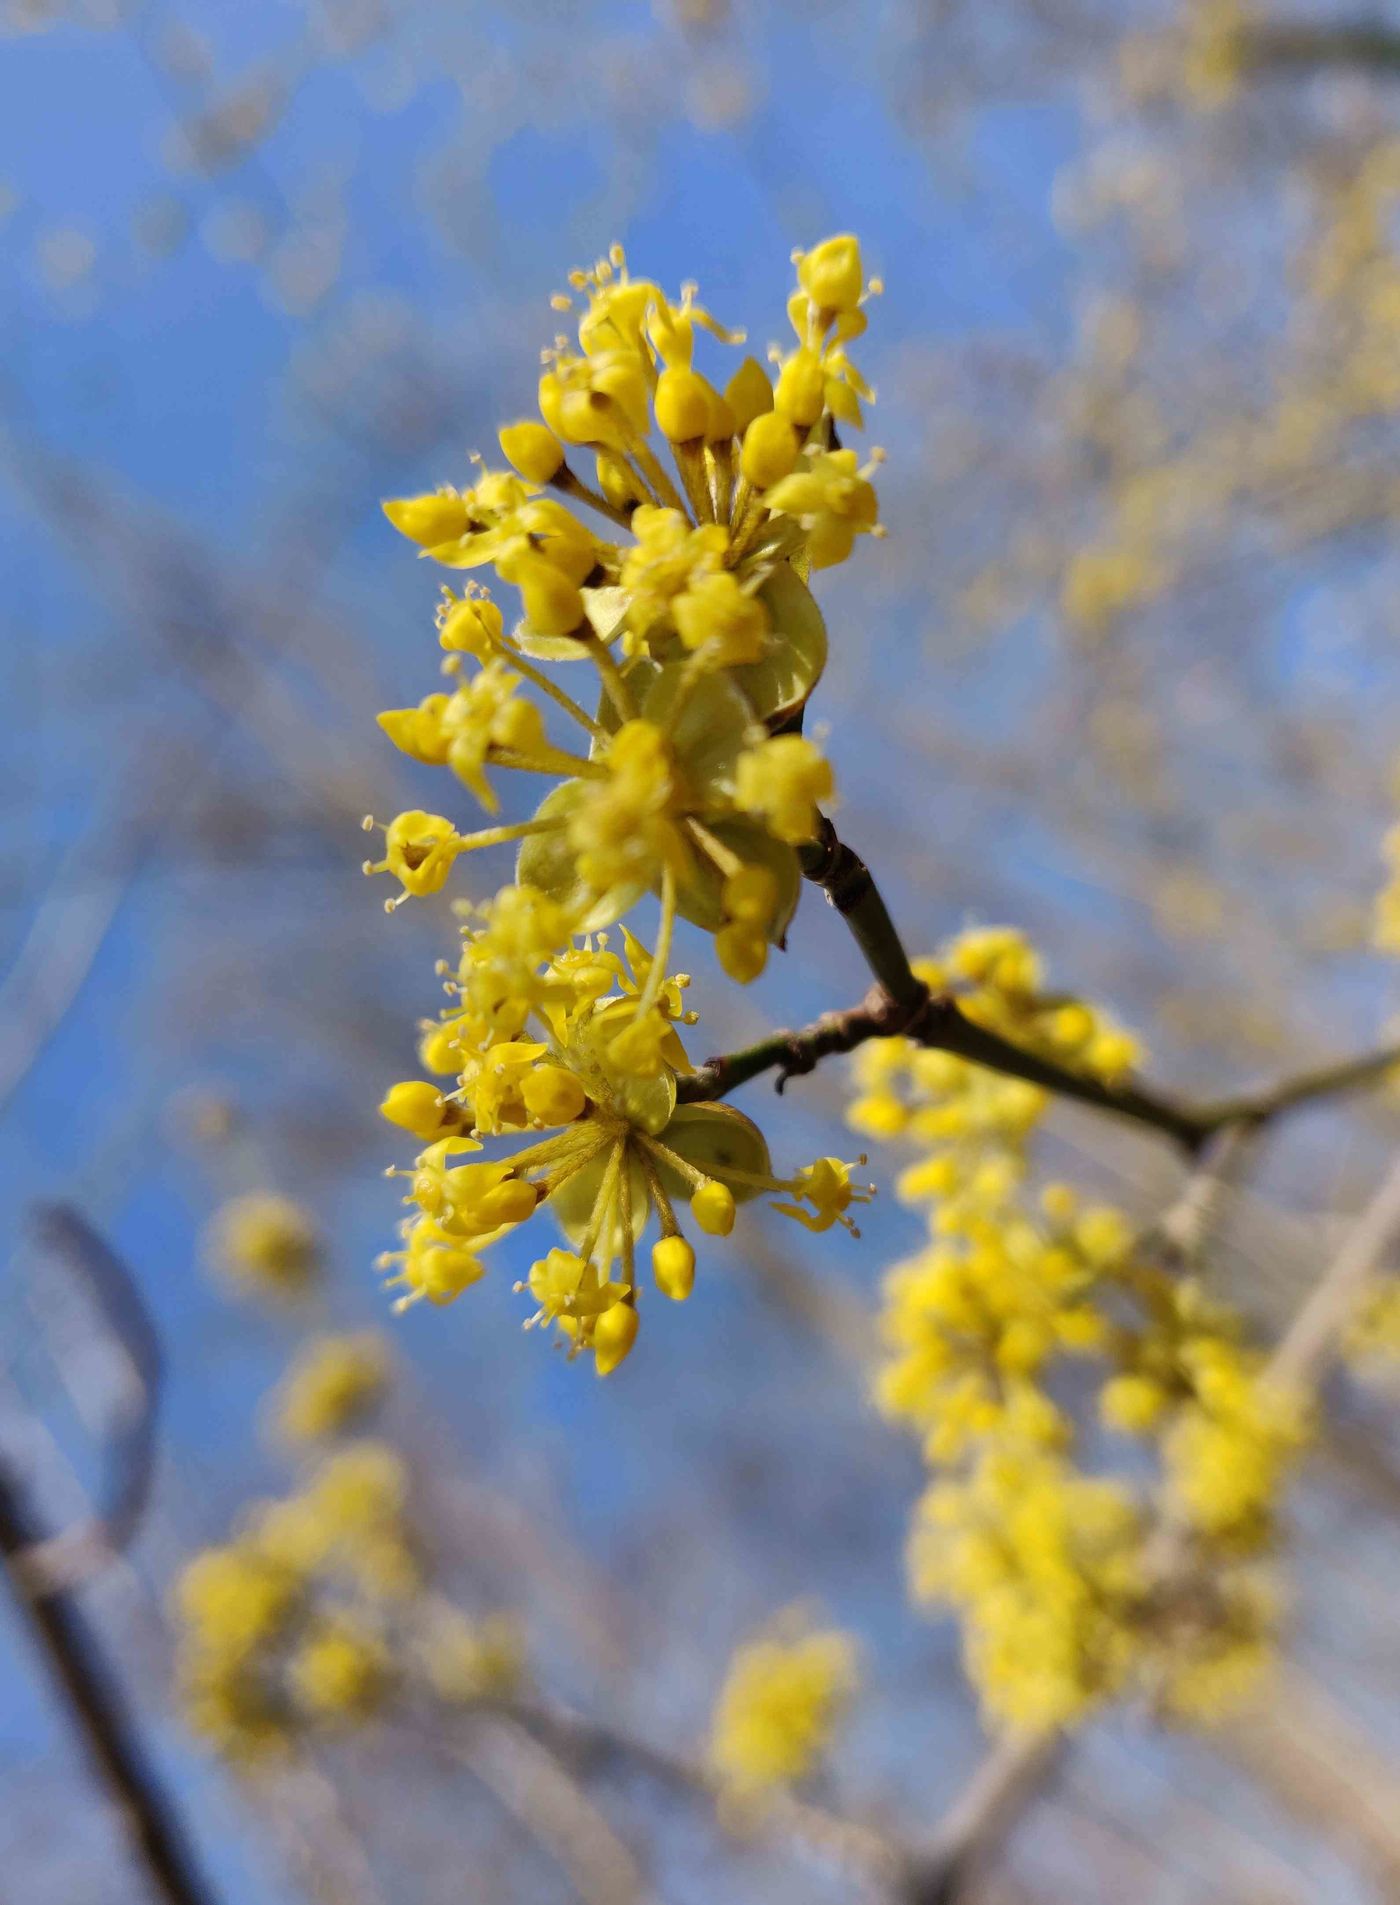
column 1124, row 674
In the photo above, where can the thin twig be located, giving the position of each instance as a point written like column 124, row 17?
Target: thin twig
column 1307, row 1346
column 594, row 1745
column 529, row 1781
column 1366, row 45
column 996, row 1797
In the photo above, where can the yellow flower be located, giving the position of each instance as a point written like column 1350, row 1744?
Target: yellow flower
column 266, row 1242
column 827, row 1187
column 335, row 1382
column 685, row 777
column 779, row 1707
column 419, row 851
column 715, row 615
column 340, row 1671
column 833, row 500
column 471, row 624
column 1045, row 1567
column 624, row 1153
column 429, row 520
column 670, row 558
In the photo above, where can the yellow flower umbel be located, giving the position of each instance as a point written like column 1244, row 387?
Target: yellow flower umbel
column 1050, row 1569
column 318, row 1615
column 696, row 619
column 266, row 1243
column 287, row 1625
column 1045, row 1567
column 581, row 1042
column 778, row 1710
column 334, row 1383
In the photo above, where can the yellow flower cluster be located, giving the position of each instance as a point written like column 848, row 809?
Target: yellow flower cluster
column 1047, row 1566
column 334, row 1384
column 287, row 1624
column 315, row 1614
column 780, row 1704
column 685, row 775
column 1044, row 1566
column 579, row 1041
column 265, row 1243
column 690, row 779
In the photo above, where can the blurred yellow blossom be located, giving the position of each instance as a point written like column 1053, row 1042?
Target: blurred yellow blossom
column 266, row 1243
column 780, row 1704
column 334, row 1383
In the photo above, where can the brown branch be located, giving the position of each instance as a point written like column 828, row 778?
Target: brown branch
column 1369, row 46
column 901, row 1004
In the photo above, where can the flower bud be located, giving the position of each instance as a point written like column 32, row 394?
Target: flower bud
column 419, row 1107
column 748, row 393
column 552, row 1095
column 770, row 450
column 673, row 1266
column 831, row 273
column 713, row 1208
column 613, row 1336
column 429, row 520
column 742, row 951
column 684, row 405
column 801, row 392
column 533, row 449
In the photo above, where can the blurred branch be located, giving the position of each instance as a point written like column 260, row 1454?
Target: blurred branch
column 530, row 1782
column 99, row 1710
column 128, row 1437
column 319, row 1845
column 1325, row 1769
column 67, row 931
column 591, row 1745
column 994, row 1799
column 1368, row 44
column 1307, row 1346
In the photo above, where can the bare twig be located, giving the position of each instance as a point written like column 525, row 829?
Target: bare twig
column 1307, row 1346
column 1366, row 45
column 531, row 1783
column 1308, row 1751
column 592, row 1745
column 997, row 1796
